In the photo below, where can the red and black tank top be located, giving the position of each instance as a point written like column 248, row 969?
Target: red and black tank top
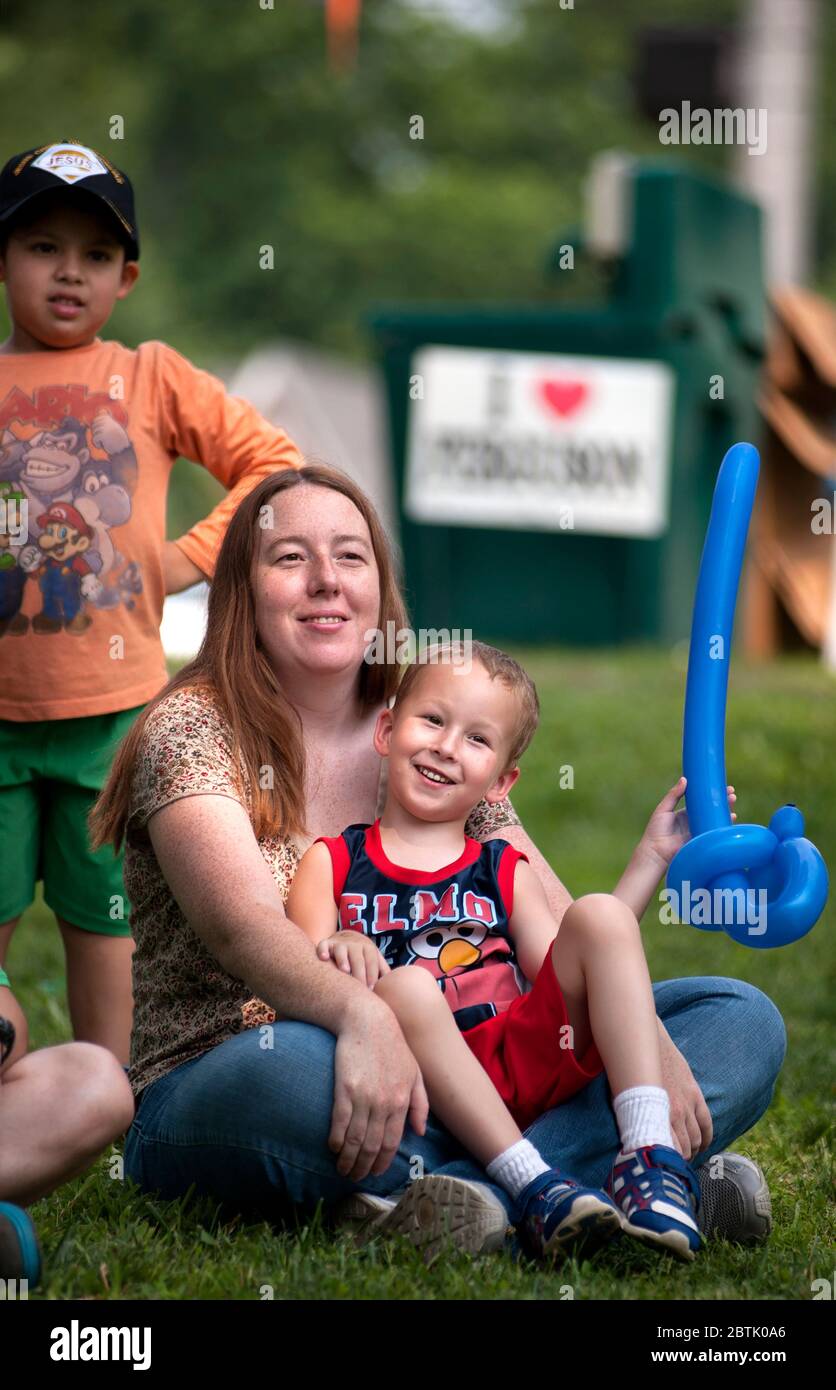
column 452, row 922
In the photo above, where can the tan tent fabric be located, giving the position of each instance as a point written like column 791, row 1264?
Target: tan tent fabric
column 788, row 583
column 811, row 322
column 808, row 440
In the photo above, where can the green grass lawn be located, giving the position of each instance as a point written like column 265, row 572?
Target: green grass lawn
column 616, row 718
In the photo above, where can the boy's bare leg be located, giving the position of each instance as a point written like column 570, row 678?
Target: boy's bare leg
column 59, row 1108
column 600, row 964
column 460, row 1091
column 99, row 988
column 6, row 932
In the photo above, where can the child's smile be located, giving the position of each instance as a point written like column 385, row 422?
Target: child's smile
column 431, row 775
column 447, row 742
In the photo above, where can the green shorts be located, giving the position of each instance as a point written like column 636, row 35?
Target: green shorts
column 51, row 772
column 4, row 979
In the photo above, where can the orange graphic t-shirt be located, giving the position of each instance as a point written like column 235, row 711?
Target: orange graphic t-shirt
column 88, row 437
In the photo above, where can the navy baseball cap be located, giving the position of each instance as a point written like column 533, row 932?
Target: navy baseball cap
column 70, row 165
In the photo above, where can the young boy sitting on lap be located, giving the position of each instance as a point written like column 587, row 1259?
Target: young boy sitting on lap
column 506, row 1016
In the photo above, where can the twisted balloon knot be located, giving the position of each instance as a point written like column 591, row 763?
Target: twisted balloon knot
column 776, row 868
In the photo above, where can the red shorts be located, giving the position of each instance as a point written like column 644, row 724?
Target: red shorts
column 521, row 1052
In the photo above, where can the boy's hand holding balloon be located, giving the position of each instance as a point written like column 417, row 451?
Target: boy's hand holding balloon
column 668, row 830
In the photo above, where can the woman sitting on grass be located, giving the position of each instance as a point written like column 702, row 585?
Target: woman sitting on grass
column 264, row 1076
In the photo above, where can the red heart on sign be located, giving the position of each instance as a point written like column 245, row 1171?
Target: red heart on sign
column 564, row 397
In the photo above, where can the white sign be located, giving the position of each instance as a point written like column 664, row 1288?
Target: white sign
column 534, row 441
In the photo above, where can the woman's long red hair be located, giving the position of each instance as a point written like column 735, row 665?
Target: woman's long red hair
column 266, row 729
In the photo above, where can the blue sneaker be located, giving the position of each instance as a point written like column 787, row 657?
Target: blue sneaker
column 659, row 1196
column 554, row 1214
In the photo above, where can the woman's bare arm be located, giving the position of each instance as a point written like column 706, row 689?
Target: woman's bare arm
column 211, row 861
column 210, row 858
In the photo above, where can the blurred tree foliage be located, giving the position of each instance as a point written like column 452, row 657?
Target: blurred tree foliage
column 237, row 136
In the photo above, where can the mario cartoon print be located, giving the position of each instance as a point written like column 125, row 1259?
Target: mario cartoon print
column 64, row 574
column 63, row 447
column 13, row 504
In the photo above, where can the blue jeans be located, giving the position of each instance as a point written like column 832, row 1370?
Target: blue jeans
column 249, row 1126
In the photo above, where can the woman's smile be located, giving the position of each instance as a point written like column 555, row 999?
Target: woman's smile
column 324, row 622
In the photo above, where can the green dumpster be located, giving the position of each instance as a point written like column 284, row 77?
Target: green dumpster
column 554, row 466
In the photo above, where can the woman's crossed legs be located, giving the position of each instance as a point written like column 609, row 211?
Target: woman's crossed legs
column 248, row 1121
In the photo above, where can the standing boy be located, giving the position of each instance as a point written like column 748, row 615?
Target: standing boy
column 89, row 431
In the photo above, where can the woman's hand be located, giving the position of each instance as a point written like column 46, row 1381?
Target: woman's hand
column 355, row 954
column 377, row 1086
column 690, row 1117
column 668, row 830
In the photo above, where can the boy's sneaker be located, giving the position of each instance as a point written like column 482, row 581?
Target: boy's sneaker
column 658, row 1194
column 20, row 1254
column 554, row 1215
column 735, row 1206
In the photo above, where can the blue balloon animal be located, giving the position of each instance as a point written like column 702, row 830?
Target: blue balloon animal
column 777, row 868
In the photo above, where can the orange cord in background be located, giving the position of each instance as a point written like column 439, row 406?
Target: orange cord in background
column 342, row 18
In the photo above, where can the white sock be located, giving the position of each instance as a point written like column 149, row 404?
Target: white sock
column 516, row 1167
column 643, row 1115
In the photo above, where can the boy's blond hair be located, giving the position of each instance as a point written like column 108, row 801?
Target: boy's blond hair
column 499, row 666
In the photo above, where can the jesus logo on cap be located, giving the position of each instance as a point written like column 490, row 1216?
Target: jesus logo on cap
column 70, row 162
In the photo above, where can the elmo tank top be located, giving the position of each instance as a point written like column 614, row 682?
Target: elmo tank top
column 452, row 922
